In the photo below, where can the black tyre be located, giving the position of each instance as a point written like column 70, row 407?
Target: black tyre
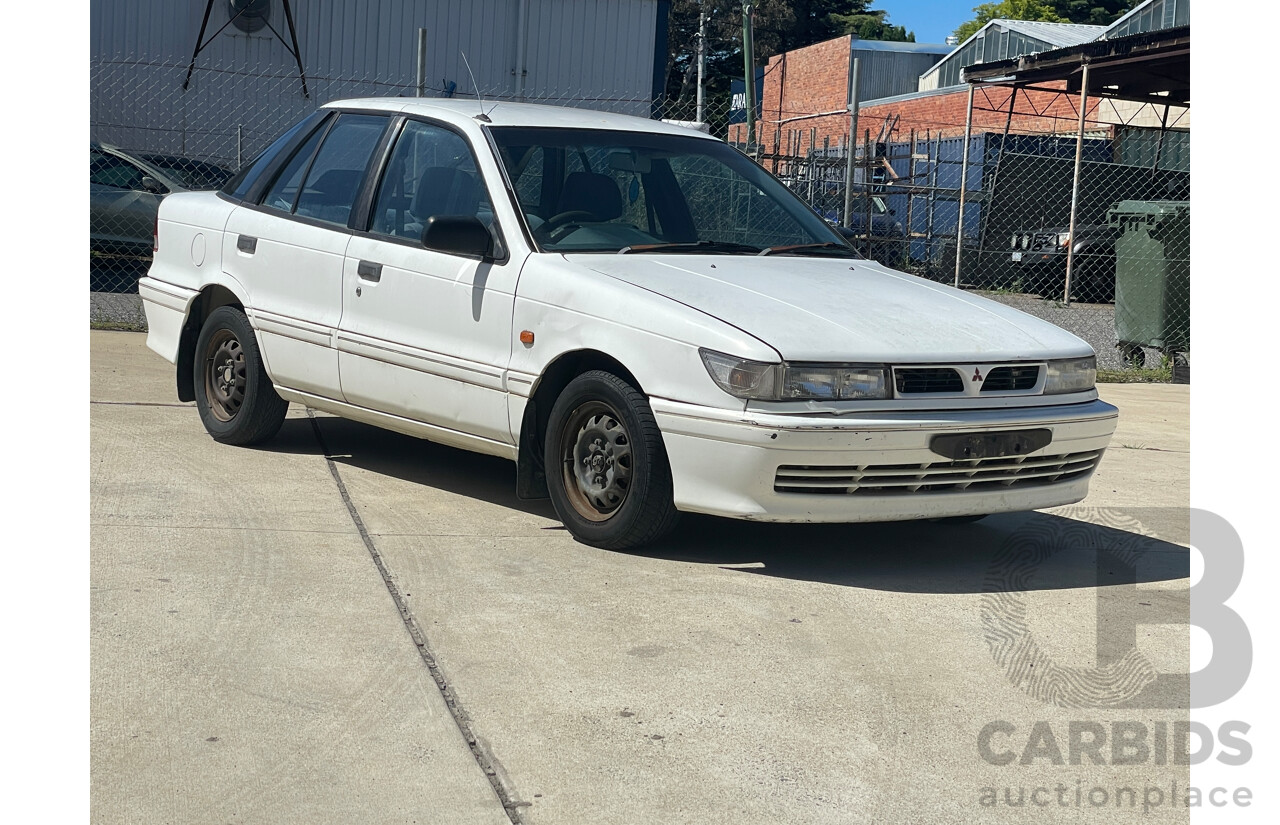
column 607, row 469
column 237, row 402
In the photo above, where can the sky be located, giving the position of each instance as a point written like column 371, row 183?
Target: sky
column 931, row 20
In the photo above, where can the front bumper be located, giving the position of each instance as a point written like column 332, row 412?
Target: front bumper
column 726, row 463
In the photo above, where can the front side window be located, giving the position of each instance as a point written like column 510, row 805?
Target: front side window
column 431, row 172
column 604, row 191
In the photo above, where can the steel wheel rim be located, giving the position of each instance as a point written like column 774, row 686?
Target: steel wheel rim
column 224, row 375
column 596, row 461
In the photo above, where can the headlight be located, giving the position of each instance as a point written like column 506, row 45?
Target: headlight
column 1071, row 375
column 795, row 382
column 1063, row 238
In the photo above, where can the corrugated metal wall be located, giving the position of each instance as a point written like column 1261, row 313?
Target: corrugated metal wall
column 245, row 89
column 886, row 73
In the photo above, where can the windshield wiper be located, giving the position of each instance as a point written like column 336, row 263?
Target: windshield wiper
column 810, row 248
column 695, row 246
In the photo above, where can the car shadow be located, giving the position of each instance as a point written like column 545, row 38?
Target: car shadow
column 1002, row 553
column 415, row 460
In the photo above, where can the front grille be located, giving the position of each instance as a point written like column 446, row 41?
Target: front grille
column 1011, row 379
column 910, row 381
column 936, row 477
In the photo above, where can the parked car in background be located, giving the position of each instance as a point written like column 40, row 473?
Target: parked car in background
column 124, row 196
column 1040, row 258
column 195, row 175
column 640, row 317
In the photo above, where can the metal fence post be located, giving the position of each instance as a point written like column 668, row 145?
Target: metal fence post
column 1075, row 184
column 422, row 62
column 964, row 180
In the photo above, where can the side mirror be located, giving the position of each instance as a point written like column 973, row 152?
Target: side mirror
column 462, row 235
column 150, row 184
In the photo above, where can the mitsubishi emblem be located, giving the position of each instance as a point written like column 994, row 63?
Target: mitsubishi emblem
column 977, row 375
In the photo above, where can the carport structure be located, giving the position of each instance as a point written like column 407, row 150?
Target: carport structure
column 1140, row 79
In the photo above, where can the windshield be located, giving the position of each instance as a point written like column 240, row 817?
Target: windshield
column 594, row 190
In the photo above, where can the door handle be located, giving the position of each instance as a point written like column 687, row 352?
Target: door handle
column 369, row 271
column 247, row 244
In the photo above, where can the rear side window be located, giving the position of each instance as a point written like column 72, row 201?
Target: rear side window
column 240, row 183
column 334, row 179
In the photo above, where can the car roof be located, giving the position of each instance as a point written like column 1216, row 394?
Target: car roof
column 502, row 113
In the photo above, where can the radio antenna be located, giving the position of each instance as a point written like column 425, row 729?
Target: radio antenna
column 476, row 86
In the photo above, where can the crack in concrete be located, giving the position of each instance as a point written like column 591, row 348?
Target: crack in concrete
column 485, row 762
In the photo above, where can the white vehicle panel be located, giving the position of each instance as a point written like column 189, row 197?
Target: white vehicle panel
column 812, row 309
column 429, row 339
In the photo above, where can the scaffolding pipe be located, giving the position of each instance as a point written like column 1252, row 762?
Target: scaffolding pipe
column 702, row 62
column 964, row 179
column 855, row 68
column 1075, row 185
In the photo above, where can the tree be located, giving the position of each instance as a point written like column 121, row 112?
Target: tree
column 873, row 25
column 1093, row 12
column 780, row 25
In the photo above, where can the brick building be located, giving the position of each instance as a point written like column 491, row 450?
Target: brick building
column 908, row 87
column 804, row 91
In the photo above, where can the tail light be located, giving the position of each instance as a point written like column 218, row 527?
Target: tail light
column 155, row 237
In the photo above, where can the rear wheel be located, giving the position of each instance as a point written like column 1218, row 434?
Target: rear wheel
column 236, row 400
column 607, row 469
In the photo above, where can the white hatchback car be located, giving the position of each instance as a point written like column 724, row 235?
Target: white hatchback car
column 638, row 315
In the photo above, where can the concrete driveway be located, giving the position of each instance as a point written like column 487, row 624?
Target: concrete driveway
column 350, row 625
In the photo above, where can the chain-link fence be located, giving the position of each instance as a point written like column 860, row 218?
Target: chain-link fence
column 1009, row 181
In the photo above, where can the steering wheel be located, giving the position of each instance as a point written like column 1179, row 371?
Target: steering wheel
column 554, row 222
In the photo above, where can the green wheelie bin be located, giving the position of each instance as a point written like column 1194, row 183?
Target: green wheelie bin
column 1153, row 276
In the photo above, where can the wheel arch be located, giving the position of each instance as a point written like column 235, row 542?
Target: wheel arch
column 531, row 480
column 210, row 298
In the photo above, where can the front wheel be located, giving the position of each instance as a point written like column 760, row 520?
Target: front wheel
column 607, row 469
column 236, row 400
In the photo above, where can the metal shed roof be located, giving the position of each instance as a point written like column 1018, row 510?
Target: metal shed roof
column 858, row 44
column 1054, row 34
column 1152, row 15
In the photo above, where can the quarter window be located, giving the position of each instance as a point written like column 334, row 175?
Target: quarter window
column 284, row 192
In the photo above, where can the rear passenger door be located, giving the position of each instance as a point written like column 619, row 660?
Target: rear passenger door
column 288, row 249
column 426, row 335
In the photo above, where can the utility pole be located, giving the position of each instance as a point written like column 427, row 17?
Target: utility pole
column 702, row 58
column 749, row 61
